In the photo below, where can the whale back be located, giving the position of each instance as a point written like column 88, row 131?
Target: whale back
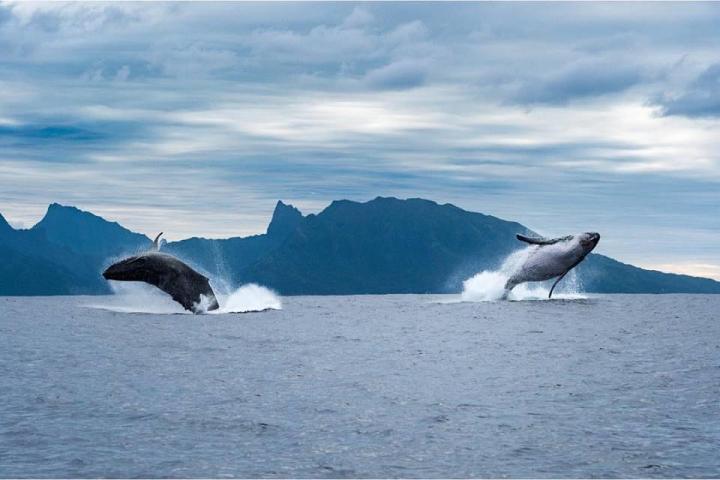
column 542, row 240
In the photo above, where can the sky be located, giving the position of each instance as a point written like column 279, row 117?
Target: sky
column 195, row 118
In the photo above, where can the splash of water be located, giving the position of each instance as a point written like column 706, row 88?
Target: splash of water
column 249, row 298
column 490, row 285
column 139, row 297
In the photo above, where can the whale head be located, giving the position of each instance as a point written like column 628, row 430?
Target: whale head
column 588, row 241
column 133, row 269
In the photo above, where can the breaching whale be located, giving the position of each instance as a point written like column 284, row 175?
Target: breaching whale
column 552, row 258
column 185, row 285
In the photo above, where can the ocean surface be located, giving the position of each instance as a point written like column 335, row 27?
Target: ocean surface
column 363, row 386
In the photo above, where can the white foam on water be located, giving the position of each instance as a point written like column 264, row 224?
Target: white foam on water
column 488, row 286
column 249, row 298
column 138, row 297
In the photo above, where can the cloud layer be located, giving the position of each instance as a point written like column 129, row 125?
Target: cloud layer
column 195, row 118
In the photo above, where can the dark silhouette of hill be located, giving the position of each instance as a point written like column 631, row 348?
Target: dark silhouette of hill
column 601, row 274
column 4, row 226
column 30, row 264
column 62, row 254
column 385, row 245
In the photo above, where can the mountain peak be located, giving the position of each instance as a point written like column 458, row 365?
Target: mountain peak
column 83, row 231
column 284, row 220
column 385, row 204
column 57, row 206
column 55, row 212
column 4, row 225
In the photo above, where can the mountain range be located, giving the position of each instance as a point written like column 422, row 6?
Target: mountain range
column 386, row 245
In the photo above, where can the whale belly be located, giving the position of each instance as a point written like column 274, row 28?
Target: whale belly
column 540, row 267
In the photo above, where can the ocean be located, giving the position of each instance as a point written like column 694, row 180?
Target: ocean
column 363, row 386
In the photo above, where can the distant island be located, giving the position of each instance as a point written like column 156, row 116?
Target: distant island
column 386, row 245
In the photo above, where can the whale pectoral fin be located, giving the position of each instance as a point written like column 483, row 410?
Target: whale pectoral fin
column 509, row 285
column 556, row 282
column 541, row 240
column 566, row 272
column 156, row 242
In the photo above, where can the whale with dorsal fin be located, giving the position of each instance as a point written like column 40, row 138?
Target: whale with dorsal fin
column 552, row 257
column 169, row 274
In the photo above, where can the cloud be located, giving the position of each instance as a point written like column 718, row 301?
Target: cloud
column 407, row 33
column 579, row 81
column 700, row 99
column 359, row 17
column 348, row 41
column 47, row 133
column 707, row 270
column 123, row 73
column 5, row 14
column 398, row 75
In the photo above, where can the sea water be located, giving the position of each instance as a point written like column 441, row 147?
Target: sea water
column 363, row 386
